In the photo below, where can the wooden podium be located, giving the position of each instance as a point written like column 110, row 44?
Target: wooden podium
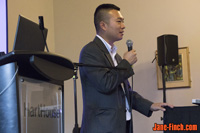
column 31, row 92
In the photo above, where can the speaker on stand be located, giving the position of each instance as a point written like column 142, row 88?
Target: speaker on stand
column 167, row 47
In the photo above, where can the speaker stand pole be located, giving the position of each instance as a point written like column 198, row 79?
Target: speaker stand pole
column 76, row 128
column 164, row 91
column 164, row 85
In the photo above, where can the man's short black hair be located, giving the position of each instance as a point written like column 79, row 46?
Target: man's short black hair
column 100, row 15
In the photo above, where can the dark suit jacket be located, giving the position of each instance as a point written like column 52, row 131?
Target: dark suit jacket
column 103, row 97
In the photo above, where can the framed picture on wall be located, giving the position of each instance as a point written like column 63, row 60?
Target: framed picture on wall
column 176, row 76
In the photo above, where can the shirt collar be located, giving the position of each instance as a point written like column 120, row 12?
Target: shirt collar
column 108, row 46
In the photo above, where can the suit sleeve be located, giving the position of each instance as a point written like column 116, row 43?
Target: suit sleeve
column 140, row 104
column 104, row 79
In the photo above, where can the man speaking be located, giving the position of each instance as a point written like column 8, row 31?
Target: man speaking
column 108, row 99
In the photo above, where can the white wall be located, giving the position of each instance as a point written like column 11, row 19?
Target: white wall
column 71, row 23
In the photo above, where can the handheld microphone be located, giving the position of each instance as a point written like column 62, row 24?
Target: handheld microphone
column 129, row 44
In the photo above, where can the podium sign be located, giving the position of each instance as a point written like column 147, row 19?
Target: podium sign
column 40, row 106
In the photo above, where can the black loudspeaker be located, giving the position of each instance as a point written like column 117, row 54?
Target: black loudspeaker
column 167, row 47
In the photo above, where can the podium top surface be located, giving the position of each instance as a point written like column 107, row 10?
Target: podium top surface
column 48, row 65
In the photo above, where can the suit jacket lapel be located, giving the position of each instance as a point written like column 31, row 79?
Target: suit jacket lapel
column 118, row 58
column 127, row 88
column 125, row 83
column 104, row 49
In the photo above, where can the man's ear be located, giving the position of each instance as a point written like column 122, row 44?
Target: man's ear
column 103, row 25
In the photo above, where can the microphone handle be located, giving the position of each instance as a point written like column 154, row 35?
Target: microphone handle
column 130, row 48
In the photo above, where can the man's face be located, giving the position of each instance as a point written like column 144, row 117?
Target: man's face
column 115, row 26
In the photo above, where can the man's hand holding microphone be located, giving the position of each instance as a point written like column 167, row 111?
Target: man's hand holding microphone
column 130, row 55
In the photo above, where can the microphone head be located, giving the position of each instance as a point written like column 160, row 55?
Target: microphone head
column 129, row 43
